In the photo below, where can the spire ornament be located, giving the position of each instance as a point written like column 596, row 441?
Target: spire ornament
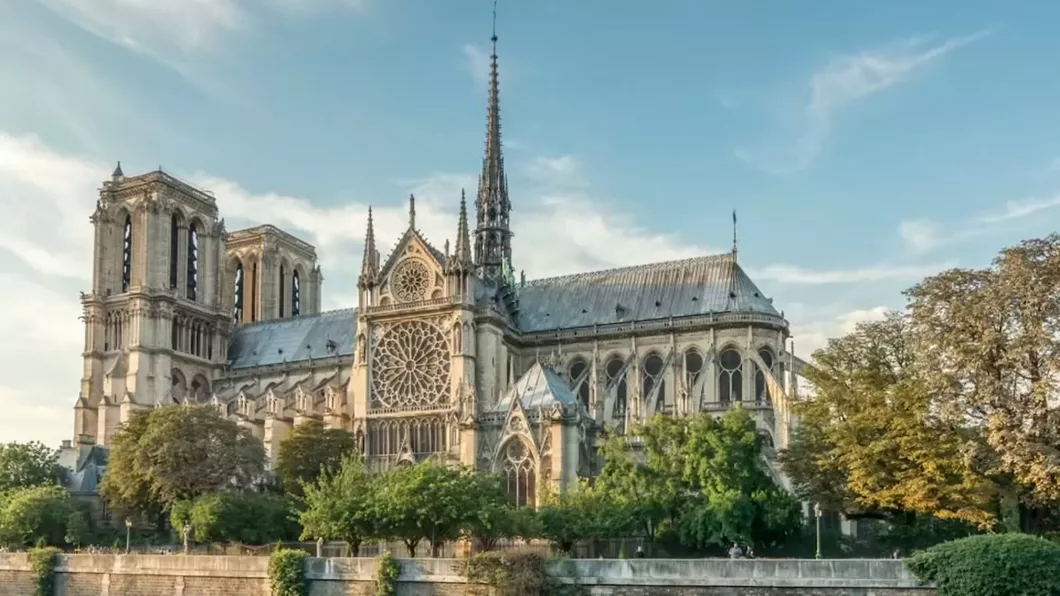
column 369, row 262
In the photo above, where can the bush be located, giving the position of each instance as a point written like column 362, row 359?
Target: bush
column 42, row 560
column 991, row 565
column 287, row 572
column 516, row 574
column 386, row 575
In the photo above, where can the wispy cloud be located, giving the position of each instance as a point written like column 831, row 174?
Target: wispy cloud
column 477, row 63
column 924, row 235
column 791, row 274
column 846, row 80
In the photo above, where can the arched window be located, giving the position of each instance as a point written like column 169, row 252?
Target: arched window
column 254, row 292
column 761, row 387
column 174, row 248
column 296, row 295
column 653, row 377
column 193, row 260
column 237, row 308
column 518, row 470
column 126, row 255
column 693, row 368
column 613, row 370
column 730, row 380
column 282, row 297
column 577, row 369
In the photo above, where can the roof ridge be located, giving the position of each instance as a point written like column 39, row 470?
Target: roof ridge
column 628, row 268
column 332, row 312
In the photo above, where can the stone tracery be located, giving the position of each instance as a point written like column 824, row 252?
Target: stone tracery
column 410, row 281
column 410, row 366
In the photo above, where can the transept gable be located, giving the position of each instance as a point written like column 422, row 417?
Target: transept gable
column 414, row 271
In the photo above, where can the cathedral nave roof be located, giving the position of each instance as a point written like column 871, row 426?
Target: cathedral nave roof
column 295, row 339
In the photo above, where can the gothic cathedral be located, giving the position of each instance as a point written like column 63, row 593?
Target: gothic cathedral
column 447, row 354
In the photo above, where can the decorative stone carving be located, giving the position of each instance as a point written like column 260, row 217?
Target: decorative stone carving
column 410, row 280
column 410, row 366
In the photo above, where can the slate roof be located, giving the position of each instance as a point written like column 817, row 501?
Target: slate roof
column 89, row 471
column 539, row 387
column 294, row 339
column 695, row 286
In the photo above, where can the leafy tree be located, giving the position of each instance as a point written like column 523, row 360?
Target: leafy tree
column 78, row 526
column 492, row 517
column 33, row 515
column 245, row 517
column 178, row 452
column 311, row 450
column 341, row 505
column 991, row 565
column 23, row 465
column 584, row 514
column 426, row 501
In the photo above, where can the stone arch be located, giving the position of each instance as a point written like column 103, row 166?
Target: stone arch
column 761, row 386
column 518, row 464
column 297, row 292
column 199, row 391
column 613, row 364
column 694, row 365
column 176, row 224
column 284, row 282
column 178, row 386
column 653, row 375
column 577, row 367
column 730, row 374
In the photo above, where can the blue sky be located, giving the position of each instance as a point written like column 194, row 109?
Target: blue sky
column 864, row 145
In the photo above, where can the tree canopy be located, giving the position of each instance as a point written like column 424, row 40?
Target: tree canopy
column 947, row 408
column 340, row 505
column 23, row 465
column 311, row 449
column 178, row 453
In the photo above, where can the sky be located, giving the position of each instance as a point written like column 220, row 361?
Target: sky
column 863, row 145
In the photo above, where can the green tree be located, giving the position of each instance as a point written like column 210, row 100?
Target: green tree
column 244, row 517
column 428, row 501
column 23, row 465
column 492, row 517
column 31, row 515
column 341, row 505
column 178, row 452
column 311, row 450
column 584, row 513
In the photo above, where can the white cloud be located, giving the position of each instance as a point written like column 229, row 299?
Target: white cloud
column 477, row 63
column 846, row 80
column 813, row 335
column 925, row 235
column 790, row 274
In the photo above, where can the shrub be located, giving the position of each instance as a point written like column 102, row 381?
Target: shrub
column 516, row 574
column 386, row 575
column 287, row 572
column 42, row 560
column 991, row 565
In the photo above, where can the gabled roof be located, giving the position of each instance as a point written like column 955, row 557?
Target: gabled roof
column 89, row 472
column 399, row 249
column 539, row 387
column 293, row 340
column 696, row 286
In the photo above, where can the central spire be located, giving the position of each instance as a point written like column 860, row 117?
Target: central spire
column 493, row 237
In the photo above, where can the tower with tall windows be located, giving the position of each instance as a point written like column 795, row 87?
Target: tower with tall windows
column 155, row 328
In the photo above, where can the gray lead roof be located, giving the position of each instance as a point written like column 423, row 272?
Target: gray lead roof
column 295, row 339
column 696, row 286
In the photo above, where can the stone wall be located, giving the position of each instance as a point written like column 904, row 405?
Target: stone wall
column 176, row 575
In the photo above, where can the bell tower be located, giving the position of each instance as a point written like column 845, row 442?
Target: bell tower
column 155, row 330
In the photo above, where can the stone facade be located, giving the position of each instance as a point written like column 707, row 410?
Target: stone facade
column 447, row 353
column 116, row 575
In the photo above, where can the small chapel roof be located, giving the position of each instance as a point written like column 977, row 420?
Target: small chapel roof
column 540, row 387
column 294, row 339
column 688, row 287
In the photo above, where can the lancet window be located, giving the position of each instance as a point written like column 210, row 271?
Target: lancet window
column 693, row 368
column 425, row 436
column 114, row 331
column 237, row 310
column 126, row 254
column 761, row 387
column 283, row 298
column 577, row 369
column 174, row 249
column 193, row 261
column 520, row 473
column 616, row 377
column 296, row 294
column 654, row 379
column 254, row 291
column 730, row 379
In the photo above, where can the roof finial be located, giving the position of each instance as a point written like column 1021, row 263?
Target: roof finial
column 494, row 38
column 369, row 263
column 412, row 212
column 118, row 174
column 734, row 242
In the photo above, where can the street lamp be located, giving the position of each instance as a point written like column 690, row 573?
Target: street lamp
column 128, row 533
column 817, row 515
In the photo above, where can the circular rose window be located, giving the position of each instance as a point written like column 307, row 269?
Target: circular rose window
column 410, row 280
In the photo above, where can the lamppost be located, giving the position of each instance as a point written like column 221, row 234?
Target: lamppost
column 817, row 515
column 128, row 533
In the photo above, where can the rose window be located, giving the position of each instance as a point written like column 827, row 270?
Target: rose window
column 410, row 366
column 410, row 281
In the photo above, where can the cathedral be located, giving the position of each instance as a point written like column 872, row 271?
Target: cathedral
column 448, row 353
